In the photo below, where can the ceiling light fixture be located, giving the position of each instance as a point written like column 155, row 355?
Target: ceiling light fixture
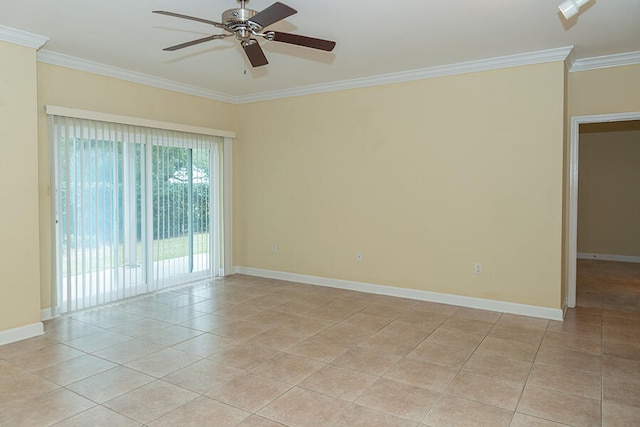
column 570, row 8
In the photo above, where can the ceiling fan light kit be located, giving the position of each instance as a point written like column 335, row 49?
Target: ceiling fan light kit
column 570, row 8
column 246, row 24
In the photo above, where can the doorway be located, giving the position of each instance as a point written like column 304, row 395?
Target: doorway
column 572, row 251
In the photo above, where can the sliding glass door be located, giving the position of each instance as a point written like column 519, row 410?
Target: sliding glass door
column 136, row 210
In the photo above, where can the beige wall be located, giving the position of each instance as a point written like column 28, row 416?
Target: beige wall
column 604, row 91
column 19, row 274
column 76, row 89
column 608, row 191
column 425, row 178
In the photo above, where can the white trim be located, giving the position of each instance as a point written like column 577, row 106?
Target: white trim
column 21, row 333
column 609, row 257
column 49, row 313
column 135, row 121
column 227, row 205
column 457, row 300
column 55, row 58
column 572, row 251
column 530, row 58
column 22, row 38
column 618, row 60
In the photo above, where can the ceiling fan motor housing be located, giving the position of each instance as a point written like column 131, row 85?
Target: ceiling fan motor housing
column 238, row 21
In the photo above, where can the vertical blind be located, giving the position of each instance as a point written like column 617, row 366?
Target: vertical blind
column 136, row 209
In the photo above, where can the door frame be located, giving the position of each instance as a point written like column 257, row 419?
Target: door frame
column 574, row 147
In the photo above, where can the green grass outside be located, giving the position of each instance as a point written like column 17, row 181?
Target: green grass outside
column 163, row 249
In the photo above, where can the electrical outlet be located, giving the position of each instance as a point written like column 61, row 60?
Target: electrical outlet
column 359, row 256
column 477, row 268
column 274, row 248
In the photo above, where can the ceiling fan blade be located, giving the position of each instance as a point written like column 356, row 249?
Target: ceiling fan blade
column 254, row 53
column 193, row 42
column 192, row 18
column 303, row 41
column 274, row 13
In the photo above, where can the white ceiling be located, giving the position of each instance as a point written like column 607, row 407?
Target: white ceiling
column 373, row 37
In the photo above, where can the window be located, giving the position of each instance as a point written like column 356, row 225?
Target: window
column 136, row 209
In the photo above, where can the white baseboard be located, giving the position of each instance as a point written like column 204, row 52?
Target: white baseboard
column 609, row 257
column 462, row 301
column 21, row 333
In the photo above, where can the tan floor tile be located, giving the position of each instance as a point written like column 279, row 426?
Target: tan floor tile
column 571, row 342
column 615, row 415
column 366, row 360
column 622, row 350
column 366, row 321
column 249, row 392
column 422, row 374
column 163, row 362
column 201, row 412
column 97, row 341
column 385, row 311
column 497, row 366
column 471, row 326
column 393, row 344
column 441, row 354
column 205, row 323
column 23, row 385
column 105, row 317
column 522, row 321
column 203, row 376
column 319, row 348
column 150, row 401
column 507, row 348
column 523, row 420
column 452, row 411
column 344, row 384
column 257, row 421
column 98, row 416
column 46, row 356
column 244, row 355
column 620, row 391
column 411, row 331
column 580, row 315
column 361, row 416
column 44, row 409
column 65, row 329
column 205, row 345
column 566, row 380
column 288, row 368
column 399, row 399
column 489, row 390
column 455, row 338
column 570, row 359
column 279, row 338
column 240, row 329
column 306, row 326
column 128, row 351
column 346, row 334
column 575, row 328
column 302, row 408
column 297, row 307
column 518, row 334
column 624, row 368
column 171, row 335
column 140, row 327
column 560, row 407
column 75, row 369
column 109, row 384
column 434, row 307
column 476, row 314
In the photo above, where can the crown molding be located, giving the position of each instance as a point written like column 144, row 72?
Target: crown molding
column 22, row 38
column 539, row 57
column 54, row 58
column 618, row 60
column 550, row 55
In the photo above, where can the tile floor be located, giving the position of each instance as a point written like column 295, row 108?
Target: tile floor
column 244, row 351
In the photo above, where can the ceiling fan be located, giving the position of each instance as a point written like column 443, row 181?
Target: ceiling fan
column 245, row 24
